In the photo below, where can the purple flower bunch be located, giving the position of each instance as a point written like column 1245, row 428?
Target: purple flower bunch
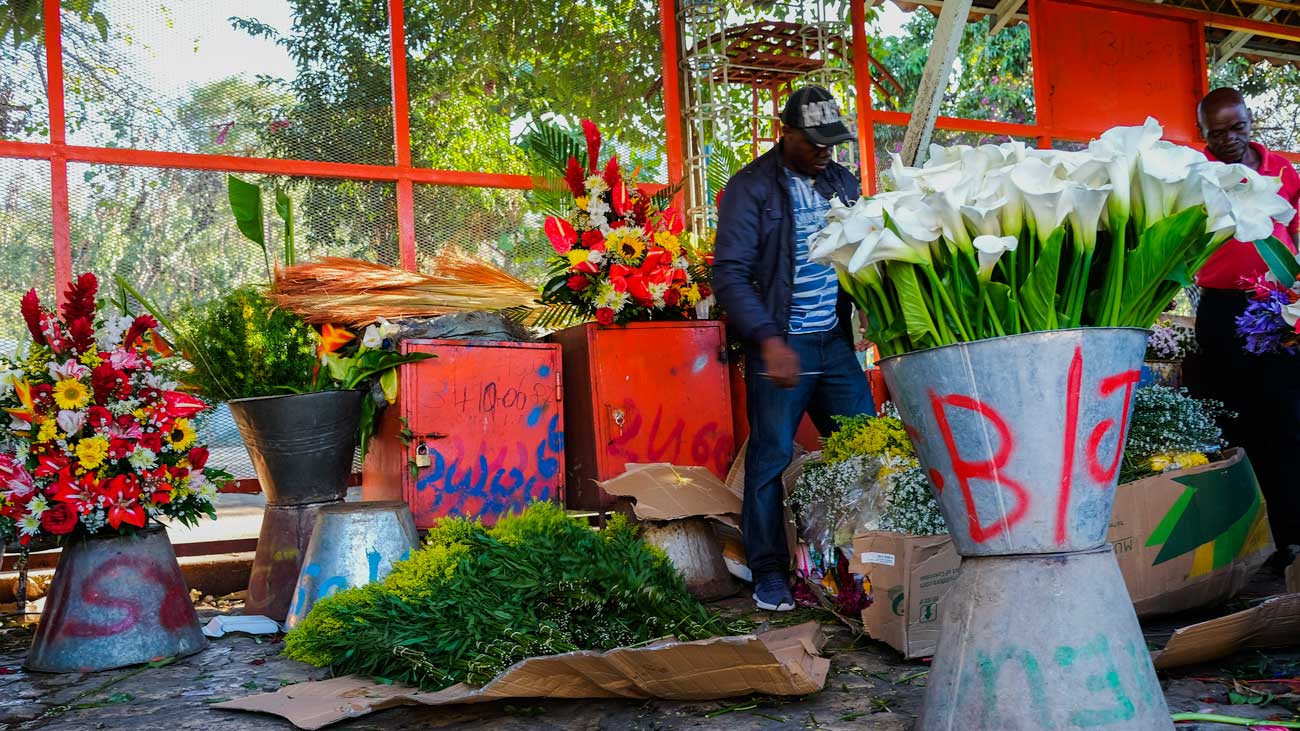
column 1263, row 326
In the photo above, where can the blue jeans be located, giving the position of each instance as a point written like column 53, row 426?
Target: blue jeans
column 839, row 389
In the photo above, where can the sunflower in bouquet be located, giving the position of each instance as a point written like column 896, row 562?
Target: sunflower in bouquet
column 619, row 256
column 99, row 438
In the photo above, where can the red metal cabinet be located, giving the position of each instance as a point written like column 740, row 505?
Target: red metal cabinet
column 487, row 431
column 644, row 392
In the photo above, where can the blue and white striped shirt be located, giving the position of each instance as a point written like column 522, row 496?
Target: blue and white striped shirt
column 816, row 287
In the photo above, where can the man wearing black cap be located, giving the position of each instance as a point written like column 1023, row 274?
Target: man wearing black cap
column 791, row 314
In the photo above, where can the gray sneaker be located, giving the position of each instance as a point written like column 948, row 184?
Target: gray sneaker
column 772, row 593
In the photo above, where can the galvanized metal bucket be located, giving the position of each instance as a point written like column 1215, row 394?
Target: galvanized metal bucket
column 281, row 546
column 1042, row 642
column 1022, row 436
column 115, row 601
column 352, row 545
column 301, row 444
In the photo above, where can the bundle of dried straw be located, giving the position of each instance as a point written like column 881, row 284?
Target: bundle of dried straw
column 356, row 293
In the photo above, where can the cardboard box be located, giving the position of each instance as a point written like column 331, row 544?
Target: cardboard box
column 909, row 576
column 1190, row 538
column 1271, row 625
column 784, row 662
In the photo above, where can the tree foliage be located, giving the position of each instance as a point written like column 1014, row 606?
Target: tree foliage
column 992, row 77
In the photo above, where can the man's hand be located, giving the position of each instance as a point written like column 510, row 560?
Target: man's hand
column 862, row 345
column 780, row 362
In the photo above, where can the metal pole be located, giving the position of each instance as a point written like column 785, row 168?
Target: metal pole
column 862, row 85
column 934, row 79
column 672, row 93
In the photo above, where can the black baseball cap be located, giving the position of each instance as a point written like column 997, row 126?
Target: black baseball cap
column 813, row 110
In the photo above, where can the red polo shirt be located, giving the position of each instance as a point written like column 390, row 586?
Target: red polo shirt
column 1239, row 261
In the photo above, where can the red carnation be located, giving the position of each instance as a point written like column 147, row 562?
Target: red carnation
column 705, row 291
column 59, row 519
column 42, row 395
column 109, row 383
column 578, row 282
column 152, row 441
column 671, row 297
column 594, row 240
column 99, row 417
column 198, row 457
column 605, row 316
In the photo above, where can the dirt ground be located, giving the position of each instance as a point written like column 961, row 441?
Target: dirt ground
column 870, row 687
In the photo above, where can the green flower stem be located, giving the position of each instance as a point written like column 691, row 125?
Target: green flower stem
column 945, row 335
column 1231, row 720
column 1080, row 290
column 1113, row 288
column 947, row 302
column 993, row 315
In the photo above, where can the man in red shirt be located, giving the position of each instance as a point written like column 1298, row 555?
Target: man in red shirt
column 1264, row 390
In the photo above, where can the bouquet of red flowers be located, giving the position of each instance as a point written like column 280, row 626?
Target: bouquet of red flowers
column 619, row 257
column 99, row 440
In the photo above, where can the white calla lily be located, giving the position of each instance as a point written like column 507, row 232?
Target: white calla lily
column 990, row 249
column 1044, row 192
column 1162, row 168
column 885, row 245
column 1086, row 207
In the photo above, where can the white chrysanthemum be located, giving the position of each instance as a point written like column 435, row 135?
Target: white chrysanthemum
column 38, row 505
column 607, row 297
column 143, row 459
column 657, row 292
column 595, row 185
column 30, row 524
column 22, row 451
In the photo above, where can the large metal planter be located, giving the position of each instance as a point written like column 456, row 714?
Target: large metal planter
column 115, row 601
column 1022, row 436
column 352, row 545
column 1042, row 642
column 301, row 445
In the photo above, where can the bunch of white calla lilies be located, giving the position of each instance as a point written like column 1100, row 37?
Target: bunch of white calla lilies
column 1002, row 239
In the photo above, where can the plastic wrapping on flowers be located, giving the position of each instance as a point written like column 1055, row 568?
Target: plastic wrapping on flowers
column 100, row 440
column 866, row 478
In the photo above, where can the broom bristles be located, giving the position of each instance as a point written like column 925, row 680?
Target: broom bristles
column 354, row 292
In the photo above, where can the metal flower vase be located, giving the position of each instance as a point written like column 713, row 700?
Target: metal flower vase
column 1022, row 438
column 301, row 446
column 115, row 601
column 352, row 545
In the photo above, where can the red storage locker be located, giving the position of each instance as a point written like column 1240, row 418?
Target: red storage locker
column 486, row 431
column 644, row 392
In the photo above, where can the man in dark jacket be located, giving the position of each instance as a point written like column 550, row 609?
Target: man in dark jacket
column 791, row 313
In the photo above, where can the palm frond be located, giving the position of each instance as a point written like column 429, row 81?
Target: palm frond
column 552, row 145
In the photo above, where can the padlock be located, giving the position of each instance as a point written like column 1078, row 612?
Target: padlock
column 422, row 458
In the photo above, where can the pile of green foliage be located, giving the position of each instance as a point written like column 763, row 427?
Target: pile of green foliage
column 243, row 346
column 473, row 601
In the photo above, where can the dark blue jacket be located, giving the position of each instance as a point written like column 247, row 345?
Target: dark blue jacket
column 753, row 264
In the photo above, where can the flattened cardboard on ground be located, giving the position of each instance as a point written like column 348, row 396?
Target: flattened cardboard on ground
column 662, row 491
column 1273, row 624
column 909, row 576
column 780, row 662
column 1190, row 538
